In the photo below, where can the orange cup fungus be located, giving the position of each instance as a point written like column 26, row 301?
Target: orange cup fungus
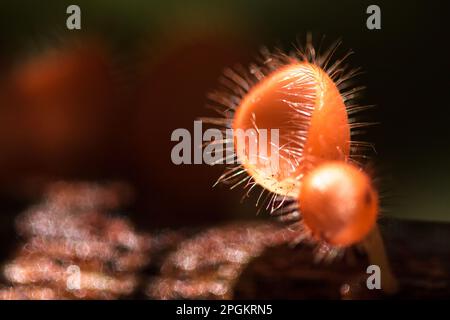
column 299, row 96
column 302, row 102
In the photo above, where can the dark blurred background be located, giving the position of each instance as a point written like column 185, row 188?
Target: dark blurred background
column 101, row 103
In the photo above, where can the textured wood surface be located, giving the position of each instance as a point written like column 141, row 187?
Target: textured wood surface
column 75, row 225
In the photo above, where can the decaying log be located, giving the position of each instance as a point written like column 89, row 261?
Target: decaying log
column 74, row 230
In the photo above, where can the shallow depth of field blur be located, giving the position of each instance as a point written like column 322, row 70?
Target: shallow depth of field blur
column 101, row 103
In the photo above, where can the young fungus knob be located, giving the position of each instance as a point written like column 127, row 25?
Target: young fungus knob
column 338, row 203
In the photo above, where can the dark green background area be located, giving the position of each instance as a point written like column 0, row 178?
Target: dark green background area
column 406, row 62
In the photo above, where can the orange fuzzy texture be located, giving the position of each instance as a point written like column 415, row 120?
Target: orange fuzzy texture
column 338, row 203
column 280, row 100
